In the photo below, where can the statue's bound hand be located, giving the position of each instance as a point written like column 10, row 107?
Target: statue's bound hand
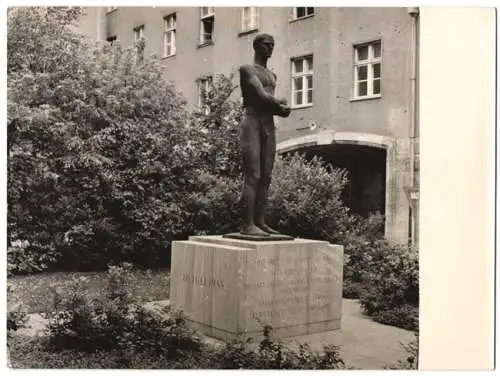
column 284, row 111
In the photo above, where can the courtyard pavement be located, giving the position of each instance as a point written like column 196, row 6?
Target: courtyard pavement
column 364, row 344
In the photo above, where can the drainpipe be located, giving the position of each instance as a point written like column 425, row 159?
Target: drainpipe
column 414, row 13
column 99, row 22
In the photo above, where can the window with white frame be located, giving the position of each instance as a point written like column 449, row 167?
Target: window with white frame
column 110, row 9
column 302, row 81
column 249, row 18
column 300, row 12
column 207, row 23
column 169, row 24
column 204, row 86
column 367, row 64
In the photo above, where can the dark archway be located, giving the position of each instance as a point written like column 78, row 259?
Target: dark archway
column 366, row 166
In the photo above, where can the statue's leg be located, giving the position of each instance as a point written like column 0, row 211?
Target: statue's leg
column 267, row 157
column 251, row 147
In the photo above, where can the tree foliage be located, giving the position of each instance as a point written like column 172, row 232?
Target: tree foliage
column 99, row 146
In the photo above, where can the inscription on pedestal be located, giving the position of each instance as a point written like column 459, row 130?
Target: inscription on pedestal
column 295, row 289
column 225, row 286
column 202, row 280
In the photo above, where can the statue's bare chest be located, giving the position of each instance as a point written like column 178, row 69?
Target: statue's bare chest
column 266, row 77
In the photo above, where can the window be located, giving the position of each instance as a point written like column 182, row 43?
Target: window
column 367, row 62
column 300, row 12
column 204, row 86
column 110, row 9
column 139, row 47
column 302, row 81
column 138, row 33
column 169, row 35
column 111, row 40
column 249, row 18
column 207, row 21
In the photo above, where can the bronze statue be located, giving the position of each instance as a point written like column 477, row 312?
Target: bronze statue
column 258, row 137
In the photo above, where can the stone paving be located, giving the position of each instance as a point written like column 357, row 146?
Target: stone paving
column 364, row 343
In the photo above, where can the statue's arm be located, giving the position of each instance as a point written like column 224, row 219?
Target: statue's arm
column 283, row 109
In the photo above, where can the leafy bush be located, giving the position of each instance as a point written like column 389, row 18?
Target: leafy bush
column 116, row 322
column 359, row 235
column 274, row 354
column 214, row 207
column 304, row 199
column 390, row 285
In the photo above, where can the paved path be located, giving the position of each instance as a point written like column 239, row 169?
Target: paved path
column 364, row 343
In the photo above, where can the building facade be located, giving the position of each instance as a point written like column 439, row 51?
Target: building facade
column 350, row 75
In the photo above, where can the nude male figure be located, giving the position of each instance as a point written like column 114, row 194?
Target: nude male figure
column 258, row 134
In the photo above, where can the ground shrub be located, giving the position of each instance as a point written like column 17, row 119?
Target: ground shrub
column 390, row 285
column 116, row 322
column 237, row 354
column 274, row 354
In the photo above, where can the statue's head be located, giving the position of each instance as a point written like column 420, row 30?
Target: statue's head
column 263, row 45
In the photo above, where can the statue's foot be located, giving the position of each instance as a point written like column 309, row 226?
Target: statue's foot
column 253, row 230
column 267, row 229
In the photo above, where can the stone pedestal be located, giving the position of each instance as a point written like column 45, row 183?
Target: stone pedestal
column 229, row 286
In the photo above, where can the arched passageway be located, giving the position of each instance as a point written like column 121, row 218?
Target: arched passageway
column 366, row 166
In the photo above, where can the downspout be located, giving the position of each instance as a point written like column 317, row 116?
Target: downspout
column 414, row 13
column 99, row 23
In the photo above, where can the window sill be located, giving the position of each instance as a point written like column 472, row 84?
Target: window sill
column 204, row 44
column 299, row 107
column 357, row 99
column 301, row 18
column 249, row 31
column 168, row 56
